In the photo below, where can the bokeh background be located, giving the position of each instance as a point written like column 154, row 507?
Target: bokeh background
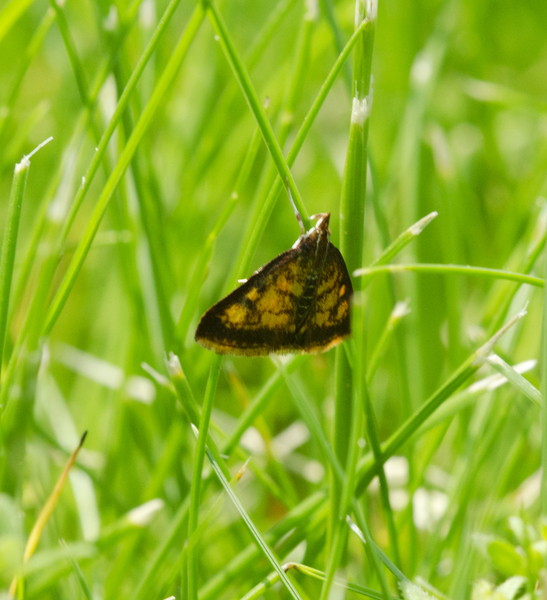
column 458, row 126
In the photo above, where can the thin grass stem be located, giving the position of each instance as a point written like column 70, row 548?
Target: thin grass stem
column 9, row 244
column 448, row 269
column 142, row 125
column 256, row 107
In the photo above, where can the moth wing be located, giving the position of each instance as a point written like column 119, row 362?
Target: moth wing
column 329, row 322
column 258, row 317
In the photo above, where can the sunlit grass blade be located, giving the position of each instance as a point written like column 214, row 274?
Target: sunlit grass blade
column 272, row 579
column 405, row 238
column 9, row 244
column 470, row 396
column 260, row 220
column 516, row 379
column 256, row 107
column 11, row 13
column 449, row 269
column 349, row 386
column 393, row 568
column 161, row 89
column 254, row 531
column 400, row 310
column 79, row 575
column 202, row 267
column 308, row 414
column 410, row 426
column 543, row 495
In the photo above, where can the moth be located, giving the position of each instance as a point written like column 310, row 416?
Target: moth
column 299, row 302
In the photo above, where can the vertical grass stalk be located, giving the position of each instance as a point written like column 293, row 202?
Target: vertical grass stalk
column 199, row 458
column 352, row 212
column 543, row 494
column 9, row 244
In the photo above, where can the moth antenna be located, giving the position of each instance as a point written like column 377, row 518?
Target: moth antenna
column 296, row 213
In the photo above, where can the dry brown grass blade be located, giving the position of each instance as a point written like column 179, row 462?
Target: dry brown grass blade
column 45, row 513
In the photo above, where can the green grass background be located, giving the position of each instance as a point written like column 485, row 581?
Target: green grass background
column 458, row 126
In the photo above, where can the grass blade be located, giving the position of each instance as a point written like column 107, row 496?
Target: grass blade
column 254, row 531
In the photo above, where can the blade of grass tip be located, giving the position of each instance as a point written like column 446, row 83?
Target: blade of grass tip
column 195, row 492
column 412, row 591
column 51, row 207
column 60, row 226
column 162, row 88
column 46, row 511
column 400, row 310
column 543, row 488
column 395, row 570
column 429, row 588
column 367, row 468
column 516, row 379
column 448, row 269
column 405, row 238
column 469, row 396
column 254, row 531
column 256, row 107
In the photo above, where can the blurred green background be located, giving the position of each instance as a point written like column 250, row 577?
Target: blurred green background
column 458, row 126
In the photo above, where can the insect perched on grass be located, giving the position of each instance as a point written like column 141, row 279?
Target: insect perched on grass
column 297, row 303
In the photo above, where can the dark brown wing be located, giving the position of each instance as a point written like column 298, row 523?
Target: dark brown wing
column 329, row 320
column 259, row 317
